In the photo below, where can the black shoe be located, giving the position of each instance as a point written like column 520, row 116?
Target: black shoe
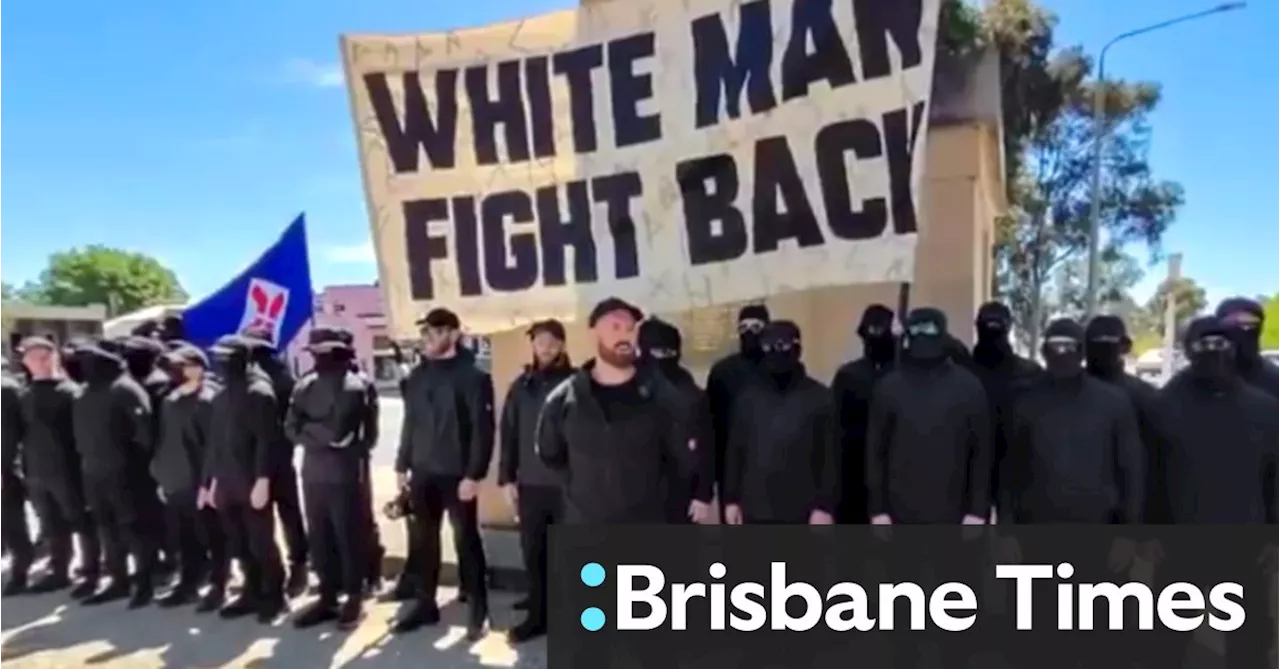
column 212, row 600
column 84, row 588
column 239, row 607
column 476, row 623
column 350, row 615
column 522, row 605
column 17, row 585
column 315, row 614
column 421, row 615
column 51, row 582
column 527, row 630
column 117, row 588
column 404, row 591
column 143, row 593
column 181, row 595
column 271, row 608
column 297, row 583
column 463, row 596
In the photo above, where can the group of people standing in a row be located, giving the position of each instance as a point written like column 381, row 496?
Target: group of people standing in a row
column 112, row 440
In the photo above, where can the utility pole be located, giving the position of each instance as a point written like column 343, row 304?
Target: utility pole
column 1171, row 313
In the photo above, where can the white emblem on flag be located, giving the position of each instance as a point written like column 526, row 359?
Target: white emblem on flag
column 264, row 307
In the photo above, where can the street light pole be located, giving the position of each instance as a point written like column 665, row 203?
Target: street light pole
column 1100, row 135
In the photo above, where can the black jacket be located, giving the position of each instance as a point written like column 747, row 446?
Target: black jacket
column 929, row 446
column 1004, row 382
column 282, row 385
column 1145, row 400
column 112, row 423
column 781, row 463
column 725, row 381
column 182, row 441
column 851, row 391
column 518, row 461
column 1263, row 375
column 448, row 420
column 49, row 457
column 701, row 485
column 1075, row 455
column 615, row 472
column 1221, row 463
column 12, row 426
column 243, row 435
column 334, row 417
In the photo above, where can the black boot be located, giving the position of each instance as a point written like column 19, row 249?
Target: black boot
column 244, row 604
column 406, row 589
column 51, row 582
column 143, row 592
column 17, row 584
column 212, row 600
column 531, row 628
column 322, row 611
column 374, row 582
column 422, row 614
column 182, row 594
column 117, row 589
column 477, row 619
column 85, row 588
column 297, row 583
column 350, row 615
column 271, row 608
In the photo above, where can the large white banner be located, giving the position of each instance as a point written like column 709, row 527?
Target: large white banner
column 676, row 154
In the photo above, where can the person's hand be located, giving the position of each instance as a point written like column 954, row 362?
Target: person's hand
column 733, row 514
column 468, row 489
column 513, row 495
column 820, row 517
column 1122, row 553
column 971, row 519
column 202, row 498
column 881, row 519
column 161, row 496
column 402, row 480
column 260, row 496
column 700, row 512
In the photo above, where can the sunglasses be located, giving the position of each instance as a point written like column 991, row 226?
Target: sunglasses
column 924, row 330
column 1211, row 344
column 750, row 326
column 778, row 346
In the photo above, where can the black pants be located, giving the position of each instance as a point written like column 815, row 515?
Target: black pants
column 539, row 508
column 339, row 536
column 284, row 496
column 374, row 545
column 198, row 538
column 121, row 512
column 251, row 537
column 62, row 512
column 433, row 497
column 13, row 515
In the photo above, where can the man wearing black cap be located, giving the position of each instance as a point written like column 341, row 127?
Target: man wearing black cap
column 244, row 432
column 329, row 417
column 928, row 435
column 13, row 492
column 661, row 347
column 1243, row 319
column 1074, row 451
column 781, row 464
column 371, row 411
column 142, row 358
column 51, row 466
column 636, row 413
column 446, row 444
column 730, row 374
column 284, row 476
column 113, row 432
column 177, row 466
column 851, row 390
column 532, row 488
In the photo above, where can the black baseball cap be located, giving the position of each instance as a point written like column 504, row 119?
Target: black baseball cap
column 323, row 339
column 550, row 326
column 610, row 305
column 187, row 355
column 440, row 318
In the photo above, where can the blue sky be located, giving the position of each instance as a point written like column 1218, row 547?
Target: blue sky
column 194, row 131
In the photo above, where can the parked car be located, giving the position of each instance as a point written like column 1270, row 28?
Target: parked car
column 1273, row 356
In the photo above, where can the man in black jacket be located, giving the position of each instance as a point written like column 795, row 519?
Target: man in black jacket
column 1243, row 319
column 615, row 433
column 177, row 466
column 446, row 444
column 373, row 575
column 284, row 476
column 330, row 418
column 730, row 375
column 661, row 347
column 112, row 426
column 851, row 389
column 17, row 536
column 244, row 431
column 928, row 435
column 51, row 466
column 781, row 465
column 142, row 358
column 532, row 488
column 1074, row 451
column 1005, row 376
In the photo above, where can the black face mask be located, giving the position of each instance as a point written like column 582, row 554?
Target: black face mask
column 1104, row 357
column 927, row 349
column 1212, row 360
column 781, row 363
column 140, row 364
column 749, row 344
column 73, row 368
column 880, row 348
column 993, row 342
column 1248, row 342
column 1063, row 364
column 331, row 362
column 232, row 367
column 98, row 369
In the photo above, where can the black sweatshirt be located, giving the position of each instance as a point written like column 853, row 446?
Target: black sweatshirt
column 183, row 440
column 1075, row 455
column 11, row 427
column 112, row 423
column 518, row 460
column 243, row 434
column 1145, row 400
column 725, row 381
column 851, row 391
column 448, row 424
column 929, row 445
column 49, row 447
column 781, row 463
column 334, row 417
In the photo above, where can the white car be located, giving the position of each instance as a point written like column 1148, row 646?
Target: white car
column 1273, row 356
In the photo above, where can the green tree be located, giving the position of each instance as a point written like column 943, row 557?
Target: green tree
column 1271, row 323
column 1191, row 301
column 123, row 280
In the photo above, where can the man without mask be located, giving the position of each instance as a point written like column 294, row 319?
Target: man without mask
column 928, row 435
column 661, row 346
column 851, row 391
column 730, row 375
column 781, row 463
column 1074, row 453
column 1243, row 319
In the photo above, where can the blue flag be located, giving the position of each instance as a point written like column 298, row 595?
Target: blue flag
column 272, row 296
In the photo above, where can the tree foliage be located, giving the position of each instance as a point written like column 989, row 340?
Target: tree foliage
column 1271, row 323
column 123, row 280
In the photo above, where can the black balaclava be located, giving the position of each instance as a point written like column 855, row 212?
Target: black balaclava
column 140, row 355
column 1063, row 348
column 1247, row 338
column 99, row 364
column 925, row 341
column 71, row 363
column 173, row 329
column 993, row 323
column 780, row 351
column 1210, row 347
column 1105, row 344
column 332, row 361
column 876, row 331
column 661, row 345
column 751, row 321
column 231, row 360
